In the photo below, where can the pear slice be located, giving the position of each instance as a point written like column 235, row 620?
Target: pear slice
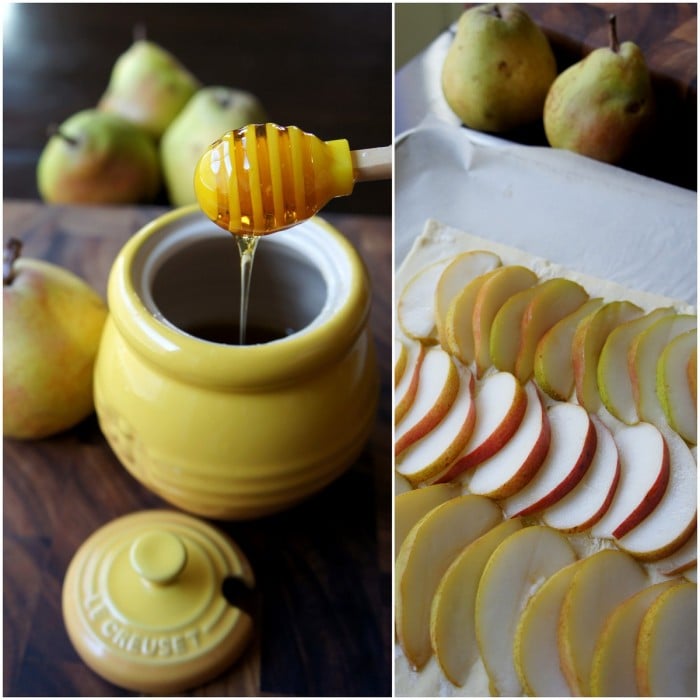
column 552, row 365
column 415, row 307
column 683, row 559
column 667, row 646
column 452, row 631
column 463, row 269
column 590, row 499
column 400, row 360
column 425, row 555
column 613, row 671
column 495, row 290
column 589, row 338
column 438, row 384
column 535, row 646
column 673, row 385
column 644, row 356
column 430, row 456
column 614, row 380
column 554, row 300
column 401, row 485
column 405, row 391
column 515, row 570
column 411, row 506
column 600, row 584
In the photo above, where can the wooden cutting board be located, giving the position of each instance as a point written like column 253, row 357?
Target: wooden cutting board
column 323, row 611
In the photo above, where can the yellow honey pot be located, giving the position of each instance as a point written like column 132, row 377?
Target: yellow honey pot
column 229, row 431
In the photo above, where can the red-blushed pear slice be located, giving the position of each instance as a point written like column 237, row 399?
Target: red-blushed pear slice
column 496, row 289
column 505, row 330
column 553, row 366
column 600, row 584
column 673, row 386
column 405, row 391
column 644, row 474
column 515, row 570
column 535, row 645
column 589, row 338
column 511, row 467
column 463, row 269
column 400, row 360
column 613, row 671
column 554, row 300
column 571, row 448
column 590, row 499
column 644, row 359
column 452, row 632
column 438, row 384
column 425, row 555
column 683, row 559
column 431, row 455
column 412, row 505
column 614, row 380
column 415, row 306
column 500, row 406
column 667, row 647
column 673, row 521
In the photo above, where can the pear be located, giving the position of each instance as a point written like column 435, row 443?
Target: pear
column 498, row 68
column 602, row 106
column 98, row 158
column 211, row 112
column 52, row 324
column 148, row 86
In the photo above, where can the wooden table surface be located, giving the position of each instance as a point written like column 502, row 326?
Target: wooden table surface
column 323, row 615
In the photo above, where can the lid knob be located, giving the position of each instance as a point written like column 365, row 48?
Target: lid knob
column 158, row 556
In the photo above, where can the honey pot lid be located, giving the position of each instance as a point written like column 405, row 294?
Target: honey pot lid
column 157, row 602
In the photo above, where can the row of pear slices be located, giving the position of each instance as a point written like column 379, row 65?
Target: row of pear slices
column 640, row 366
column 498, row 438
column 470, row 586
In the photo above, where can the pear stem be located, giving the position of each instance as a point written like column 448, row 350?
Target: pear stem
column 612, row 34
column 12, row 251
column 138, row 33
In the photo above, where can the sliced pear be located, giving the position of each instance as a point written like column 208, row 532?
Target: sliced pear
column 411, row 506
column 683, row 559
column 589, row 338
column 667, row 647
column 674, row 388
column 462, row 270
column 644, row 359
column 452, row 632
column 554, row 300
column 415, row 307
column 614, row 380
column 438, row 384
column 458, row 336
column 401, row 485
column 553, row 366
column 495, row 290
column 405, row 391
column 600, row 584
column 535, row 647
column 400, row 360
column 430, row 456
column 613, row 671
column 692, row 370
column 515, row 570
column 425, row 555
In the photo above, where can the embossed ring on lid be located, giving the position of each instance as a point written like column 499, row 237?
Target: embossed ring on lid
column 144, row 603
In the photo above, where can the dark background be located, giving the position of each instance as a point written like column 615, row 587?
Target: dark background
column 326, row 68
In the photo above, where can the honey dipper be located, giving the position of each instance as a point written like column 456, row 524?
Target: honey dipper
column 262, row 178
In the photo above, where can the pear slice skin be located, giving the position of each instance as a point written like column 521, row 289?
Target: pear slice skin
column 405, row 391
column 400, row 360
column 428, row 550
column 667, row 645
column 513, row 572
column 613, row 671
column 601, row 583
column 452, row 632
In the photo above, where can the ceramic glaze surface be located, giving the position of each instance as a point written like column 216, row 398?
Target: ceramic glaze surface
column 228, row 431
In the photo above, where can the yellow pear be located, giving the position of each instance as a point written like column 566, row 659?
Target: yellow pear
column 498, row 69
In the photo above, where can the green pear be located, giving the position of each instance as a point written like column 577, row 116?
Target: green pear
column 603, row 105
column 498, row 68
column 52, row 324
column 98, row 158
column 210, row 113
column 148, row 86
